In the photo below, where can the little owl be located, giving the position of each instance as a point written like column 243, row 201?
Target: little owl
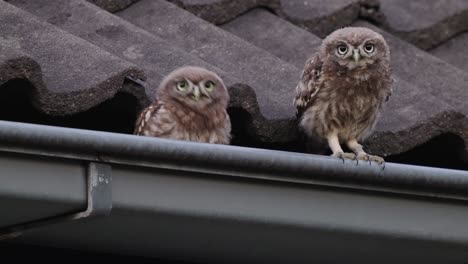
column 342, row 90
column 191, row 105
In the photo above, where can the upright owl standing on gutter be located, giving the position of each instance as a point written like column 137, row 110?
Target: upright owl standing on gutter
column 191, row 105
column 342, row 90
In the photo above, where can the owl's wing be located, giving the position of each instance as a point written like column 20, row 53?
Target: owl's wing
column 309, row 85
column 151, row 122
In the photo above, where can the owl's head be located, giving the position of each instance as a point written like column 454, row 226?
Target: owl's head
column 354, row 47
column 196, row 87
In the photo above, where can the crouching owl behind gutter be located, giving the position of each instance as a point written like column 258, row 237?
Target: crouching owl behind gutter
column 342, row 90
column 191, row 105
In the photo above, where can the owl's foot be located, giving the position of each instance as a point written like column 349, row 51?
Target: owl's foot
column 366, row 157
column 344, row 155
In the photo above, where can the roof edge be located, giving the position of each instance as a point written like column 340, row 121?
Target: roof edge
column 231, row 161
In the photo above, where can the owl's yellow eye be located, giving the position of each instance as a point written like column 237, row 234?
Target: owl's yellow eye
column 209, row 85
column 342, row 49
column 182, row 86
column 369, row 47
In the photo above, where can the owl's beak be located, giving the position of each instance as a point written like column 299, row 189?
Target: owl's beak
column 196, row 93
column 356, row 55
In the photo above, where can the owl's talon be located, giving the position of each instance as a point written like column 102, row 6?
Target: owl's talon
column 363, row 156
column 370, row 158
column 381, row 162
column 343, row 156
column 377, row 159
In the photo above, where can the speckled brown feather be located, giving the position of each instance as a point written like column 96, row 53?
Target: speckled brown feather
column 142, row 121
column 309, row 84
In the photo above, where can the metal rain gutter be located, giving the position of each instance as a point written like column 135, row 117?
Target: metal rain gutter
column 232, row 197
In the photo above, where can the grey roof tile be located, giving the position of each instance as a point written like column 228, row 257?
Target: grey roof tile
column 321, row 17
column 413, row 115
column 15, row 64
column 272, row 79
column 76, row 75
column 154, row 55
column 218, row 11
column 454, row 51
column 112, row 5
column 425, row 23
column 275, row 35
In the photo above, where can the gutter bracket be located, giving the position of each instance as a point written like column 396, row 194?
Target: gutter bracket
column 99, row 196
